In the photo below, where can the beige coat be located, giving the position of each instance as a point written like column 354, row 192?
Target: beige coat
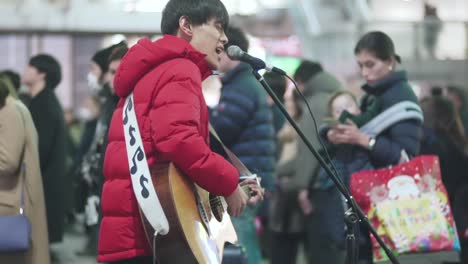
column 14, row 135
column 285, row 215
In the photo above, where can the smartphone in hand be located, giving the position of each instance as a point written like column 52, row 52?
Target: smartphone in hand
column 331, row 121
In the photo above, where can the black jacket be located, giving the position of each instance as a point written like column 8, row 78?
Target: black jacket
column 47, row 115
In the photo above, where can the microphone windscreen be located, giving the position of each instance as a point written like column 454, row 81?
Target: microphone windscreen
column 234, row 52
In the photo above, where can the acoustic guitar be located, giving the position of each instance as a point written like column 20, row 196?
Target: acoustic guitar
column 199, row 223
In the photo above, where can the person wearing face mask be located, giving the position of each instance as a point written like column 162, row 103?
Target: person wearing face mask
column 90, row 109
column 87, row 114
column 377, row 60
column 94, row 158
column 101, row 92
column 98, row 68
column 96, row 79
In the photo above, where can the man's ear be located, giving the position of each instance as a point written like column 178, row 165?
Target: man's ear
column 185, row 28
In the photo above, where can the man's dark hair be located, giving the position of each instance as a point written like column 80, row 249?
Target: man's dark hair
column 47, row 64
column 277, row 83
column 437, row 91
column 306, row 70
column 3, row 93
column 236, row 37
column 197, row 11
column 13, row 77
column 118, row 53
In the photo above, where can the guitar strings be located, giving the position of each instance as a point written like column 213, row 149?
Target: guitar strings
column 218, row 202
column 245, row 188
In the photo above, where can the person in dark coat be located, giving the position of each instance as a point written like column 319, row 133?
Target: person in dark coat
column 108, row 108
column 376, row 57
column 444, row 137
column 244, row 122
column 42, row 75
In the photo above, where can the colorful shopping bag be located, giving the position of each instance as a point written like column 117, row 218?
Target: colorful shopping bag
column 409, row 207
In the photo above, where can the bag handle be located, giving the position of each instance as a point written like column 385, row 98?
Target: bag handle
column 404, row 157
column 23, row 163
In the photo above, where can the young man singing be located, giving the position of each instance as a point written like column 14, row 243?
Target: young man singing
column 165, row 77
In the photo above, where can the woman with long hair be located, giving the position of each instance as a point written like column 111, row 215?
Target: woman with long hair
column 444, row 136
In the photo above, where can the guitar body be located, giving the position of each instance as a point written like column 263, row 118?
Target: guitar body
column 195, row 235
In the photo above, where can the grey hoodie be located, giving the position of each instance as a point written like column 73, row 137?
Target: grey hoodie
column 317, row 92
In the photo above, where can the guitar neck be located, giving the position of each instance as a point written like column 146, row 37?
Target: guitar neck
column 247, row 190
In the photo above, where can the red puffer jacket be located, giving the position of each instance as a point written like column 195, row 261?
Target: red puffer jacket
column 165, row 77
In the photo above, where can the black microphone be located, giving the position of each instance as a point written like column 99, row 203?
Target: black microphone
column 236, row 53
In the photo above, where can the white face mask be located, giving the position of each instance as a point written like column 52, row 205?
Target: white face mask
column 93, row 82
column 84, row 114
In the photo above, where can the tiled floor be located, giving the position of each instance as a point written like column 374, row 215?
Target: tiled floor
column 75, row 240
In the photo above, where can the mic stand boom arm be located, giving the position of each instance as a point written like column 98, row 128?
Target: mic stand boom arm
column 349, row 199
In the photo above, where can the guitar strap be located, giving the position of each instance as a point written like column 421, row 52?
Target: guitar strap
column 139, row 171
column 243, row 171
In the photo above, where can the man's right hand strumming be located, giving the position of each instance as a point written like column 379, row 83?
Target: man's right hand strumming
column 237, row 201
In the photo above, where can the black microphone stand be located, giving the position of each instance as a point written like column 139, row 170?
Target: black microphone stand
column 351, row 220
column 354, row 209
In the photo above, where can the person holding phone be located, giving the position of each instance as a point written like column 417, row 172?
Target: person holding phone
column 378, row 63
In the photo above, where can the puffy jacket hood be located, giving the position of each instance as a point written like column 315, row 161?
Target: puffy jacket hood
column 322, row 82
column 146, row 55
